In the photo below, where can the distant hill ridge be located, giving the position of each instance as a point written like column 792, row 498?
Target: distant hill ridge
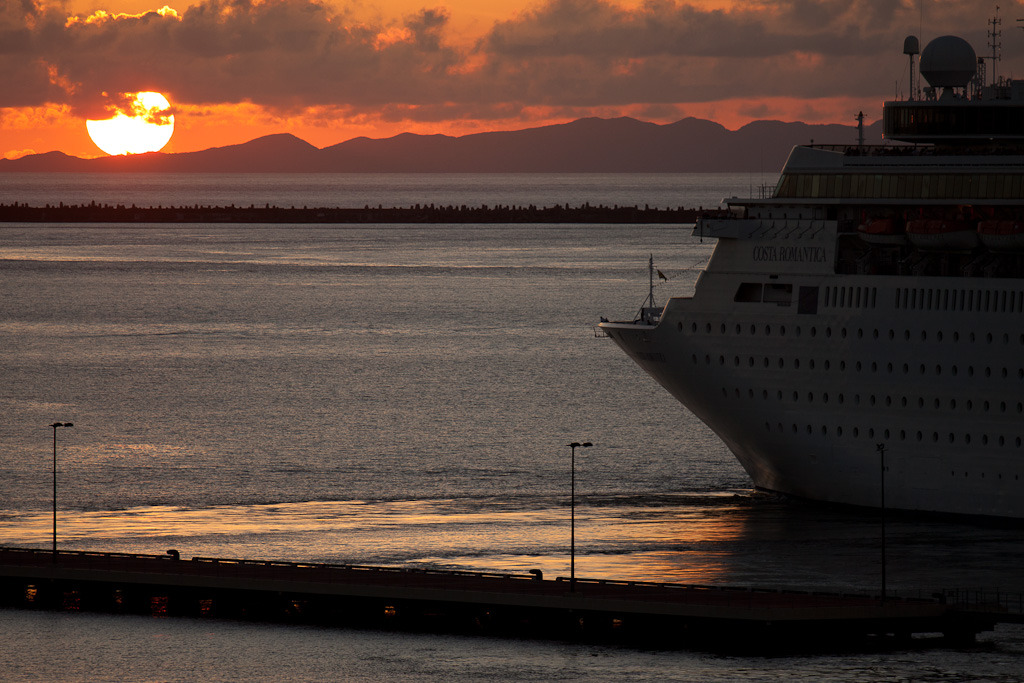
column 591, row 145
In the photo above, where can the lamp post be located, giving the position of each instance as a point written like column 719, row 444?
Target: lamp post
column 55, row 425
column 572, row 507
column 881, row 462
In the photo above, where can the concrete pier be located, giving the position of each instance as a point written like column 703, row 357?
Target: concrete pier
column 519, row 605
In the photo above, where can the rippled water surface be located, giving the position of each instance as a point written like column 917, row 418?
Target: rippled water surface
column 401, row 395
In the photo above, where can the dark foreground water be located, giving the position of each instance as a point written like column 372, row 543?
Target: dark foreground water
column 401, row 395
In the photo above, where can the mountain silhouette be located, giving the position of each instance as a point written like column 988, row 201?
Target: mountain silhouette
column 590, row 145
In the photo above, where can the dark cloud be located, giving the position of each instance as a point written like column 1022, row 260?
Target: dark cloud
column 299, row 55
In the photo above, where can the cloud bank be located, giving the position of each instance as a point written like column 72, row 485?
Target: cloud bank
column 292, row 56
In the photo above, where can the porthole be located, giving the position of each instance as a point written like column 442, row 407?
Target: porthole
column 796, row 363
column 707, row 328
column 858, row 366
column 967, row 438
column 924, row 336
column 938, row 335
column 810, row 363
column 988, row 338
column 753, row 329
column 988, row 372
column 739, row 329
column 970, row 404
column 782, row 363
column 767, row 330
column 906, row 335
column 814, row 331
column 986, row 405
column 856, row 431
column 828, row 364
column 693, row 357
column 871, row 400
column 842, row 333
column 935, row 437
column 953, row 370
column 782, row 330
column 875, row 334
column 680, row 326
column 888, row 401
column 886, row 433
column 871, row 432
column 903, row 435
column 892, row 334
column 971, row 337
column 721, row 329
column 906, row 368
column 764, row 394
column 721, row 360
column 750, row 361
column 828, row 332
column 839, row 431
column 736, row 361
column 796, row 396
column 874, row 366
column 889, row 367
column 970, row 371
column 919, row 436
column 824, row 397
column 842, row 365
column 956, row 336
column 766, row 361
column 952, row 437
column 903, row 401
column 860, row 333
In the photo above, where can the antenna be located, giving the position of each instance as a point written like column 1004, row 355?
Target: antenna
column 993, row 34
column 860, row 129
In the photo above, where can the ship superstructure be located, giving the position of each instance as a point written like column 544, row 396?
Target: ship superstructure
column 864, row 326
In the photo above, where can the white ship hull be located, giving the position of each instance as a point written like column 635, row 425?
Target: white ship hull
column 804, row 401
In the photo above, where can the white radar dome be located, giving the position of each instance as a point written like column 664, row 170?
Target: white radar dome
column 948, row 62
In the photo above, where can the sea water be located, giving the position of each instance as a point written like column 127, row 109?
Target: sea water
column 399, row 395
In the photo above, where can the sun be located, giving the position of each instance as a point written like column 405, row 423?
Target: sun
column 147, row 127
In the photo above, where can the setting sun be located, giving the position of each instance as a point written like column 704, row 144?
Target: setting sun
column 147, row 127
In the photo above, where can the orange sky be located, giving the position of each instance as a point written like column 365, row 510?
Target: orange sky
column 328, row 70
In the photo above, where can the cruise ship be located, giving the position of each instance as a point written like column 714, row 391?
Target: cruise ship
column 857, row 337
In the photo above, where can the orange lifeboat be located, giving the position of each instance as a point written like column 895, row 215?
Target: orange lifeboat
column 942, row 234
column 1002, row 235
column 882, row 231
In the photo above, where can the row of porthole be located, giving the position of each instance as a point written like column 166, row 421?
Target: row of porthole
column 887, row 401
column 891, row 334
column 901, row 434
column 889, row 368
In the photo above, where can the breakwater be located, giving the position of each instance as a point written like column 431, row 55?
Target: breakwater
column 431, row 213
column 527, row 605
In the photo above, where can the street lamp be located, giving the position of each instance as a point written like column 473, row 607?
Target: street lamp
column 572, row 506
column 55, row 425
column 881, row 462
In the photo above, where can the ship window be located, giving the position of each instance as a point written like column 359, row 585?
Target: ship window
column 749, row 292
column 778, row 294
